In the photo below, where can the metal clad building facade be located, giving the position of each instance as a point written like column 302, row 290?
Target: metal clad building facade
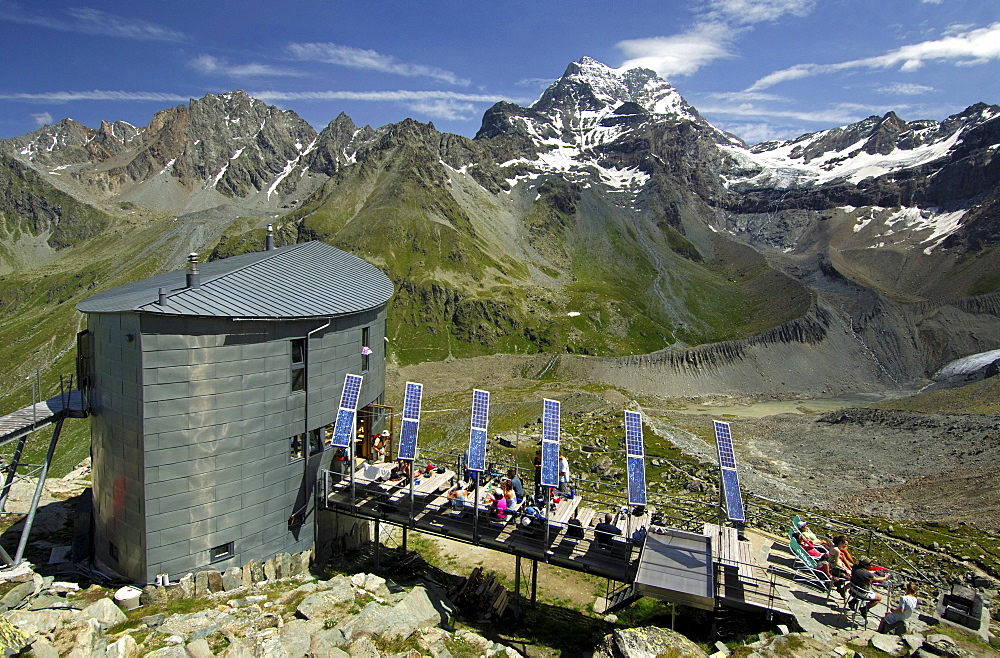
column 204, row 453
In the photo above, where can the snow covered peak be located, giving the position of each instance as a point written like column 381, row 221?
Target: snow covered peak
column 592, row 85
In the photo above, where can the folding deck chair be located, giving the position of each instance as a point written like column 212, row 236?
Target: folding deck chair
column 807, row 567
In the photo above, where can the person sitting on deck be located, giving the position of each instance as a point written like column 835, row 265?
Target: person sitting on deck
column 402, row 470
column 605, row 531
column 509, row 495
column 458, row 496
column 818, row 551
column 836, row 565
column 898, row 615
column 862, row 579
column 517, row 485
column 803, row 527
column 498, row 505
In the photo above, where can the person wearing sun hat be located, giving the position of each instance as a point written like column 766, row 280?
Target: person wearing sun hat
column 803, row 527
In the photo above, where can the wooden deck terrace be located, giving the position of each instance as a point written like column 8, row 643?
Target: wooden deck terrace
column 35, row 416
column 739, row 581
column 432, row 513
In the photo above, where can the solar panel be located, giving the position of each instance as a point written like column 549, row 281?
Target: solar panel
column 477, row 450
column 636, row 480
column 411, row 422
column 352, row 389
column 550, row 420
column 635, row 453
column 411, row 400
column 730, row 477
column 633, row 434
column 724, row 441
column 480, row 408
column 407, row 440
column 550, row 463
column 477, row 433
column 734, row 500
column 344, row 429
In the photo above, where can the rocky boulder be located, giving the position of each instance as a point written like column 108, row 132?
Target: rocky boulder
column 650, row 642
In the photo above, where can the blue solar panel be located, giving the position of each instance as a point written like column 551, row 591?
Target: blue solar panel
column 352, row 389
column 477, row 450
column 344, row 429
column 636, row 480
column 734, row 500
column 411, row 422
column 411, row 400
column 550, row 420
column 633, row 434
column 480, row 408
column 408, row 440
column 550, row 463
column 724, row 441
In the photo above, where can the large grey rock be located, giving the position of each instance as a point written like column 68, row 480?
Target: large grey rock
column 888, row 643
column 648, row 642
column 271, row 569
column 16, row 595
column 196, row 625
column 175, row 651
column 42, row 648
column 215, row 581
column 187, row 586
column 153, row 595
column 416, row 610
column 126, row 647
column 38, row 622
column 232, row 579
column 363, row 647
column 106, row 612
column 88, row 640
column 199, row 649
column 327, row 604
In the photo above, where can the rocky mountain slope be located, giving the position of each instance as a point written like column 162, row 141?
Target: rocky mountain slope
column 608, row 218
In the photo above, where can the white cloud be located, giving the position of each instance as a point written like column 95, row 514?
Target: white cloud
column 402, row 95
column 746, row 12
column 42, row 119
column 209, row 65
column 681, row 54
column 838, row 115
column 932, row 2
column 95, row 95
column 444, row 109
column 970, row 47
column 369, row 60
column 905, row 89
column 86, row 20
column 754, row 133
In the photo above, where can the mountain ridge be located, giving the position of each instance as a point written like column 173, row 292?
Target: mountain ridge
column 607, row 218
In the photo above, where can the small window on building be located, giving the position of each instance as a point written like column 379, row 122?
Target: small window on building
column 366, row 349
column 112, row 551
column 223, row 552
column 298, row 365
column 295, row 447
column 315, row 443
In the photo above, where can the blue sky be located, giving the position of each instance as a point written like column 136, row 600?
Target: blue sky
column 762, row 69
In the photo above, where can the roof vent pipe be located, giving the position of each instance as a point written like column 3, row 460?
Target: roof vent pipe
column 193, row 277
column 162, row 301
column 269, row 240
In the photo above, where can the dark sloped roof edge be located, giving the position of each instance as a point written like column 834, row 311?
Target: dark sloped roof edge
column 305, row 280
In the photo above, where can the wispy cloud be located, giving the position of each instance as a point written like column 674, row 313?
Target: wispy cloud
column 209, row 65
column 718, row 24
column 402, row 95
column 837, row 115
column 42, row 119
column 445, row 109
column 680, row 54
column 369, row 60
column 904, row 89
column 748, row 12
column 95, row 95
column 86, row 20
column 971, row 47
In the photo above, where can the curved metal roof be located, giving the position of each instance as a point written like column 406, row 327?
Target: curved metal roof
column 311, row 279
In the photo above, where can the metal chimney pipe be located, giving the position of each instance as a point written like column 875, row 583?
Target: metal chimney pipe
column 269, row 240
column 162, row 301
column 193, row 277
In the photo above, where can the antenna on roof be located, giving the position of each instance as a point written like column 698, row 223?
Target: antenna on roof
column 193, row 276
column 269, row 240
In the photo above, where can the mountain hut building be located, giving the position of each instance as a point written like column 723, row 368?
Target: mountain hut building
column 210, row 392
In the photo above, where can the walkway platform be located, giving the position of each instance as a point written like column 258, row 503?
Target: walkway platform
column 25, row 421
